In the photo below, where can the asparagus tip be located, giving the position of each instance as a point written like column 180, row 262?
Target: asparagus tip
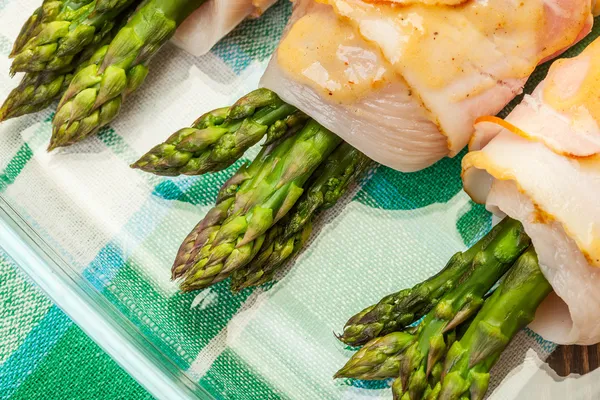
column 5, row 111
column 186, row 288
column 177, row 271
column 54, row 142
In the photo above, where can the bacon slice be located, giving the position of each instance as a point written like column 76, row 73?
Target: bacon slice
column 542, row 166
column 215, row 19
column 404, row 83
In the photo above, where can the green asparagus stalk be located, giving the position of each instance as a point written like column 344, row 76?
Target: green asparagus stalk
column 206, row 230
column 329, row 182
column 260, row 202
column 38, row 90
column 202, row 234
column 106, row 6
column 213, row 147
column 245, row 173
column 455, row 308
column 379, row 358
column 506, row 312
column 167, row 159
column 29, row 27
column 57, row 42
column 255, row 173
column 397, row 311
column 95, row 94
column 275, row 251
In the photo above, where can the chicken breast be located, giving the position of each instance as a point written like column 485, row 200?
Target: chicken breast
column 215, row 19
column 542, row 166
column 404, row 83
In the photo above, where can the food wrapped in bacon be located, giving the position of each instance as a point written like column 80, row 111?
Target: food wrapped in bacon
column 215, row 19
column 404, row 80
column 542, row 166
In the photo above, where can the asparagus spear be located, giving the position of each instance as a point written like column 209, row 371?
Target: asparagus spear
column 331, row 181
column 396, row 311
column 38, row 90
column 378, row 359
column 95, row 95
column 506, row 312
column 202, row 234
column 57, row 42
column 275, row 251
column 206, row 229
column 48, row 12
column 106, row 6
column 249, row 178
column 213, row 147
column 288, row 237
column 30, row 26
column 259, row 203
column 457, row 306
column 167, row 159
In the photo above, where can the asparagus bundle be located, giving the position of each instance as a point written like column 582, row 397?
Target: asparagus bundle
column 70, row 26
column 264, row 198
column 219, row 138
column 94, row 97
column 456, row 307
column 506, row 312
column 418, row 356
column 290, row 235
column 256, row 224
column 398, row 310
column 263, row 215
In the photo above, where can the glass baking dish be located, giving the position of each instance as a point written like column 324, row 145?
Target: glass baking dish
column 99, row 238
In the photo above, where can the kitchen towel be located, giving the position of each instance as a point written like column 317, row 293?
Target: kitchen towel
column 44, row 355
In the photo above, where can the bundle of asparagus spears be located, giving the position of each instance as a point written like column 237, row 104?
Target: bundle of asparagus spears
column 449, row 353
column 263, row 215
column 90, row 54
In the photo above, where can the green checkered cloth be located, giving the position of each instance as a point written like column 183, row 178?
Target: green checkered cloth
column 44, row 355
column 119, row 229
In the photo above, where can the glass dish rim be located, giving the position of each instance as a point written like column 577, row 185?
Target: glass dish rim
column 75, row 296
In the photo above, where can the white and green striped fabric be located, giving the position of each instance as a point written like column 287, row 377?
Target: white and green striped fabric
column 44, row 355
column 119, row 229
